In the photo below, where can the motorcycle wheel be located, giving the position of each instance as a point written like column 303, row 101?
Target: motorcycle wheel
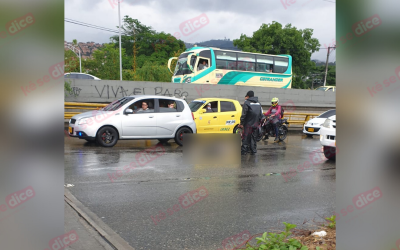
column 260, row 134
column 283, row 132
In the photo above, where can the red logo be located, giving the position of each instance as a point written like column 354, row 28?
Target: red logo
column 15, row 199
column 19, row 24
column 115, row 2
column 63, row 241
column 57, row 70
column 236, row 241
column 192, row 197
column 149, row 154
column 366, row 25
column 191, row 25
column 287, row 3
column 367, row 197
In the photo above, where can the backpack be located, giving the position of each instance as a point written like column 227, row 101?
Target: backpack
column 282, row 111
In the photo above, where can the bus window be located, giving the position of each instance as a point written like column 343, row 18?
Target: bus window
column 264, row 63
column 202, row 64
column 281, row 64
column 225, row 60
column 206, row 54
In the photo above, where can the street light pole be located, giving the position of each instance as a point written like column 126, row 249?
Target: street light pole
column 72, row 48
column 119, row 30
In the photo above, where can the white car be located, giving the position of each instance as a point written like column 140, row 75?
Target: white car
column 313, row 126
column 135, row 117
column 328, row 137
column 74, row 75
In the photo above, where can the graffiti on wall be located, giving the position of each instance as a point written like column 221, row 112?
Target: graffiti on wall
column 108, row 91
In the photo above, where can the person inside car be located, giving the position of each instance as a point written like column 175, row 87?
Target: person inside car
column 171, row 105
column 144, row 108
column 208, row 108
column 275, row 112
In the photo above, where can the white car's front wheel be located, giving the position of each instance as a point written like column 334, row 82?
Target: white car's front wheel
column 107, row 137
column 330, row 152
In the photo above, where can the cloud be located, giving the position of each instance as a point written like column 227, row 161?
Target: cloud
column 228, row 19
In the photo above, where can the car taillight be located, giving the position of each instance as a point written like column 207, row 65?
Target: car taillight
column 193, row 116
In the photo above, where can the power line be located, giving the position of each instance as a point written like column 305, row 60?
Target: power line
column 89, row 25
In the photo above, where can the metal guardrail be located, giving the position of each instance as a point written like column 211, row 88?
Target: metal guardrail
column 300, row 118
column 80, row 105
column 293, row 118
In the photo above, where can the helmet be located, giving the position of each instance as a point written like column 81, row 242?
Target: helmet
column 274, row 101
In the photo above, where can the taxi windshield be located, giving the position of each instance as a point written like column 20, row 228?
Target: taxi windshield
column 322, row 88
column 195, row 105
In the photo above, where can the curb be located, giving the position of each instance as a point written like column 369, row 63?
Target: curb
column 111, row 237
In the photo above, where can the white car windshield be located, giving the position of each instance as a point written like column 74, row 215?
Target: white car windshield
column 117, row 104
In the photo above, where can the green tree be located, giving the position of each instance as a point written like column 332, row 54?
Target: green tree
column 275, row 39
column 105, row 62
column 151, row 46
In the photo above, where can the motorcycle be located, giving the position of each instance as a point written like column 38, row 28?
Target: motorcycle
column 265, row 129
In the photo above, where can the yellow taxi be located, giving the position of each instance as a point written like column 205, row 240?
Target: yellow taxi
column 216, row 115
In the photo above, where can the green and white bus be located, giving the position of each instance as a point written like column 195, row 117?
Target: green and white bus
column 217, row 66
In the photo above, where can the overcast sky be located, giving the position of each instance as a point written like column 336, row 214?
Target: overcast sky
column 227, row 18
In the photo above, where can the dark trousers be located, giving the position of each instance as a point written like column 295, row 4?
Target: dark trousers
column 275, row 126
column 249, row 142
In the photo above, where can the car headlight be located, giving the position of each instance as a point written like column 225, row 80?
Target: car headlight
column 83, row 121
column 188, row 80
column 327, row 123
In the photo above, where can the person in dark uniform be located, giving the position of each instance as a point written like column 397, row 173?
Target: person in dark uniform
column 249, row 121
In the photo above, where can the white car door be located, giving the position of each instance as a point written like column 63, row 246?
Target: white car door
column 140, row 124
column 169, row 116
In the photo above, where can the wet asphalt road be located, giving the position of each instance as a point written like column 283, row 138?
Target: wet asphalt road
column 253, row 196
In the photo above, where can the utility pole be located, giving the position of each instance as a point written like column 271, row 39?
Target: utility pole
column 326, row 66
column 119, row 30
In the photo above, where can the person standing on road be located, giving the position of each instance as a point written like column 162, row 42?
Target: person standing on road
column 251, row 116
column 275, row 111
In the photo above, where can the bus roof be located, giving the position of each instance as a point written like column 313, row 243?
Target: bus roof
column 235, row 51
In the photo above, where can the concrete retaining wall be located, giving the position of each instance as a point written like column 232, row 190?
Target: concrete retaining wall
column 105, row 91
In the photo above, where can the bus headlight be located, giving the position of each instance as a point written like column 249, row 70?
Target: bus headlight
column 188, row 80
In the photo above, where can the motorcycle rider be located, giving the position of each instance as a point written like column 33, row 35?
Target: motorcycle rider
column 275, row 111
column 251, row 116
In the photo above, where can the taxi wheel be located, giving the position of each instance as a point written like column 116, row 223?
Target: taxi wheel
column 235, row 130
column 107, row 137
column 179, row 135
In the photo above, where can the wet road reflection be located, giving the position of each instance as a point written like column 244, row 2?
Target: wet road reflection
column 145, row 201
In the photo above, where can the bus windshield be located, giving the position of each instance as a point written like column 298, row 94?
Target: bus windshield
column 181, row 66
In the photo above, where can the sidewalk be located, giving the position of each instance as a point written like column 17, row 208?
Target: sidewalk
column 92, row 232
column 88, row 237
